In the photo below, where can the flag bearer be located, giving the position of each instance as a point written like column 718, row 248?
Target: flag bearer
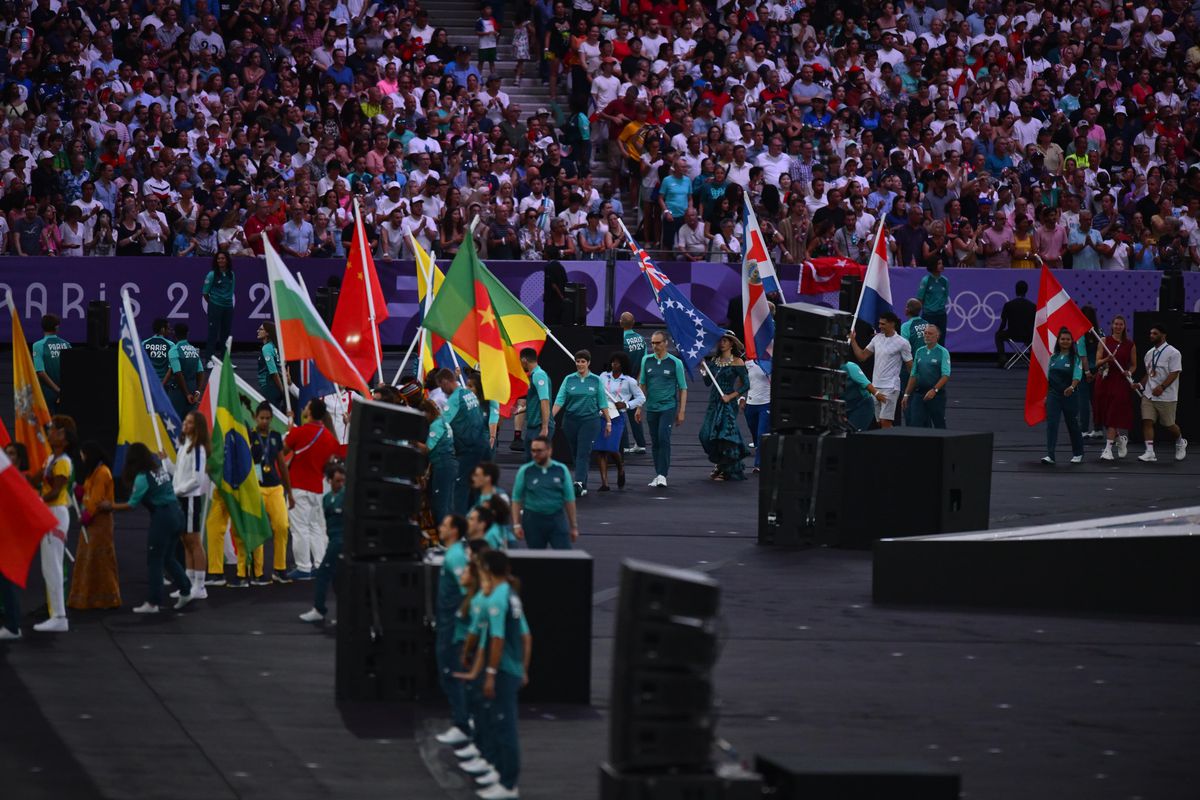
column 662, row 381
column 468, row 422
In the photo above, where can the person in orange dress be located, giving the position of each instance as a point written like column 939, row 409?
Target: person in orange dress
column 94, row 581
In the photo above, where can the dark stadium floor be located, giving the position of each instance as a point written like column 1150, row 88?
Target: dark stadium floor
column 234, row 698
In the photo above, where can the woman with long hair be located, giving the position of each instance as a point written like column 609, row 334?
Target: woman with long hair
column 720, row 436
column 582, row 400
column 94, row 580
column 1064, row 376
column 1088, row 349
column 475, row 384
column 150, row 485
column 443, row 464
column 624, row 393
column 270, row 375
column 218, row 291
column 1115, row 362
column 934, row 290
column 191, row 486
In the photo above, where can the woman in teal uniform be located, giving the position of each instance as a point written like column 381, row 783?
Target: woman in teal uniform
column 443, row 464
column 1064, row 376
column 584, row 405
column 492, row 412
column 270, row 382
column 934, row 294
column 719, row 433
column 925, row 389
column 218, row 291
column 481, row 754
column 152, row 487
column 452, row 532
column 860, row 397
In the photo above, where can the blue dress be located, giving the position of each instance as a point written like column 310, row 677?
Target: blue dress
column 719, row 433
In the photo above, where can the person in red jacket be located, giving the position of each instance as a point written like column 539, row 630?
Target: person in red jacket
column 310, row 448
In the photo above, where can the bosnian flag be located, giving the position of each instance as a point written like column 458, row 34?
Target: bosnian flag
column 757, row 322
column 756, row 251
column 876, row 297
column 1055, row 311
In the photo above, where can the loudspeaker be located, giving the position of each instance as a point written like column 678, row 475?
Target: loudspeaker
column 808, row 321
column 851, row 780
column 99, row 324
column 848, row 295
column 383, row 637
column 575, row 296
column 802, row 489
column 806, row 414
column 383, row 468
column 1183, row 333
column 89, row 393
column 808, row 354
column 556, row 592
column 325, row 299
column 799, row 383
column 735, row 785
column 946, row 487
column 1171, row 295
column 662, row 684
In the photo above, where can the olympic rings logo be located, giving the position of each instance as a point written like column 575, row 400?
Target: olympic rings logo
column 968, row 308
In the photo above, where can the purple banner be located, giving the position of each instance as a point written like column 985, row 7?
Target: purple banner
column 170, row 287
column 1191, row 291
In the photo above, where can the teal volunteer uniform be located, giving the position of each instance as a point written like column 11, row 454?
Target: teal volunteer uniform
column 506, row 622
column 1065, row 368
column 663, row 379
column 634, row 345
column 218, row 289
column 333, row 506
column 443, row 468
column 184, row 360
column 860, row 405
column 268, row 368
column 154, row 489
column 451, row 632
column 469, row 424
column 478, row 706
column 539, row 389
column 934, row 294
column 543, row 493
column 158, row 352
column 583, row 404
column 47, row 353
column 929, row 365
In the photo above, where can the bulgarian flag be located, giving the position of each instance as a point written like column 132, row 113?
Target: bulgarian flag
column 302, row 332
column 479, row 316
column 26, row 521
column 250, row 398
column 231, row 466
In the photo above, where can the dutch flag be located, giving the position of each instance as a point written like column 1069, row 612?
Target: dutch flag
column 876, row 297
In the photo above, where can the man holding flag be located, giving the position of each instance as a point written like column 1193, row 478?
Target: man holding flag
column 891, row 350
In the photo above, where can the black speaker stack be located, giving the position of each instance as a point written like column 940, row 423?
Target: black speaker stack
column 803, row 459
column 383, row 634
column 661, row 727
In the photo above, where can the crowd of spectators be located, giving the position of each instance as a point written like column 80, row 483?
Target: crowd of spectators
column 984, row 133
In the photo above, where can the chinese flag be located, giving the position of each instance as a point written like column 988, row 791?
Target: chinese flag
column 360, row 301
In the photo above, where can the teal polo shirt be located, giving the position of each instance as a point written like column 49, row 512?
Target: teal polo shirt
column 539, row 390
column 543, row 490
column 582, row 397
column 218, row 288
column 934, row 294
column 930, row 365
column 914, row 331
column 333, row 505
column 662, row 379
column 158, row 351
column 466, row 419
column 154, row 488
column 46, row 354
column 506, row 622
column 184, row 359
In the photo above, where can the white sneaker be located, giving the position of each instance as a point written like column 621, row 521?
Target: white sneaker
column 498, row 792
column 1148, row 456
column 199, row 592
column 1107, row 455
column 476, row 766
column 629, row 451
column 655, row 481
column 183, row 600
column 1122, row 446
column 488, row 778
column 53, row 625
column 1180, row 449
column 662, row 480
column 468, row 752
column 146, row 608
column 452, row 736
column 312, row 615
column 8, row 636
column 1048, row 461
column 641, row 451
column 174, row 595
column 1076, row 459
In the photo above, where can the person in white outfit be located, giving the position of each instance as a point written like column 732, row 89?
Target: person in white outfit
column 54, row 485
column 192, row 486
column 891, row 351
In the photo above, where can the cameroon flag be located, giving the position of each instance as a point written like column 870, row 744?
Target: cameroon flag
column 481, row 317
column 231, row 466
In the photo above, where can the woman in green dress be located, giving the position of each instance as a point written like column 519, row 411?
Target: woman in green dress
column 719, row 434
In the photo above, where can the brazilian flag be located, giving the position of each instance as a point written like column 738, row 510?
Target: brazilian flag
column 231, row 466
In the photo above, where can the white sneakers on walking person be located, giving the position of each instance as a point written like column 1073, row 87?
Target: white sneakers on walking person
column 1180, row 449
column 476, row 766
column 146, row 608
column 8, row 636
column 659, row 480
column 453, row 736
column 1107, row 455
column 468, row 752
column 498, row 792
column 1122, row 446
column 312, row 615
column 53, row 625
column 488, row 778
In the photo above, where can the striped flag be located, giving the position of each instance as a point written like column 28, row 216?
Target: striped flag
column 1055, row 311
column 756, row 251
column 876, row 297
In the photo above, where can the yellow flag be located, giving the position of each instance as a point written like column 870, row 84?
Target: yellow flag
column 433, row 344
column 29, row 404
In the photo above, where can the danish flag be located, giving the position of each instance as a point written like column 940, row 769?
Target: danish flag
column 1055, row 311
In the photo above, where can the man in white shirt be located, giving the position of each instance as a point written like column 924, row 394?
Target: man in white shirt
column 774, row 162
column 891, row 351
column 88, row 206
column 392, row 200
column 605, row 84
column 494, row 100
column 422, row 227
column 154, row 227
column 738, row 170
column 207, row 38
column 539, row 202
column 422, row 142
column 1160, row 393
column 422, row 173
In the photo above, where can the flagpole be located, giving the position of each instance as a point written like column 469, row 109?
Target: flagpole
column 283, row 372
column 1113, row 357
column 377, row 345
column 145, row 382
column 427, row 271
column 858, row 305
column 408, row 353
column 747, row 212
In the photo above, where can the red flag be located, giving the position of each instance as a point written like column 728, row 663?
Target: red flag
column 1055, row 311
column 361, row 298
column 4, row 437
column 820, row 275
column 26, row 521
column 960, row 85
